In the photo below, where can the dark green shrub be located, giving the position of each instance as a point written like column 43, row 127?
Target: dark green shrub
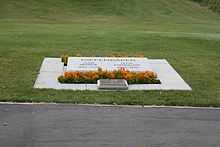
column 211, row 4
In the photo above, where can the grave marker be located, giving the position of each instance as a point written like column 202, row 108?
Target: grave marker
column 107, row 63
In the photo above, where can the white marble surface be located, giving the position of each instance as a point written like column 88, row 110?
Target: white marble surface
column 51, row 68
column 107, row 63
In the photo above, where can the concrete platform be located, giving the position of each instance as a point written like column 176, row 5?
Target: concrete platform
column 51, row 68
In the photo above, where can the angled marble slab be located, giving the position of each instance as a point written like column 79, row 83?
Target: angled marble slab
column 170, row 79
column 51, row 65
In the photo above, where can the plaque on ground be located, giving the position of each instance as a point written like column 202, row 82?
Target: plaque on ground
column 112, row 84
column 107, row 63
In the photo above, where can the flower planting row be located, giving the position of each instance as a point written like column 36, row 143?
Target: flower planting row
column 91, row 77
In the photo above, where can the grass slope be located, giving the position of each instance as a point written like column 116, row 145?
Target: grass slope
column 181, row 31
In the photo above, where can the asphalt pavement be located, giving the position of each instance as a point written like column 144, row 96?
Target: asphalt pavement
column 52, row 125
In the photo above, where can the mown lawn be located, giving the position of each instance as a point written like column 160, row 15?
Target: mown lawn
column 191, row 44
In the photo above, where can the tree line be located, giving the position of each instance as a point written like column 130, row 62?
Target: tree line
column 212, row 4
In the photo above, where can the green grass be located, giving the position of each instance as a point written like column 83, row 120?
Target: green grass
column 182, row 32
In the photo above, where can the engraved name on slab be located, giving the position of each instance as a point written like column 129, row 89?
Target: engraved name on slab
column 107, row 63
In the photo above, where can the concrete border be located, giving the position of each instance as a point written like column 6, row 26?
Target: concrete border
column 105, row 105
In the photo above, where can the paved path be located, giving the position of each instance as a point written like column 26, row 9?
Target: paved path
column 210, row 36
column 84, row 126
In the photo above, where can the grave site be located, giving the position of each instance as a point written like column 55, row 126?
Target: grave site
column 166, row 78
column 109, row 73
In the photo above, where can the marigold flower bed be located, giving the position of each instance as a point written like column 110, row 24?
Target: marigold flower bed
column 91, row 77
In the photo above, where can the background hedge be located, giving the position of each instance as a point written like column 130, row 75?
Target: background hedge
column 212, row 4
